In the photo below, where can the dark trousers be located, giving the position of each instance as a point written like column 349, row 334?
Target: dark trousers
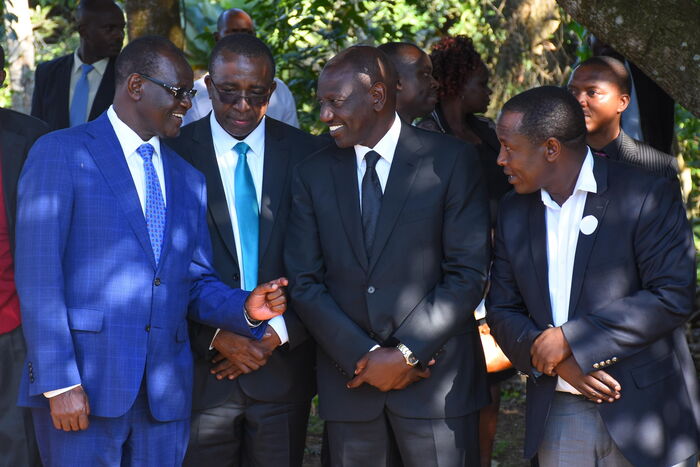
column 393, row 441
column 247, row 432
column 17, row 442
column 135, row 439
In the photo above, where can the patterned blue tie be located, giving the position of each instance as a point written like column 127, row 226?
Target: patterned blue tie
column 247, row 215
column 78, row 106
column 155, row 206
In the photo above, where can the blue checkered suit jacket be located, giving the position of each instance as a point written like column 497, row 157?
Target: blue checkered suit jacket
column 96, row 308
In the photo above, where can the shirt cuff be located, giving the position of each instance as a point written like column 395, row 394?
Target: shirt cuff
column 375, row 347
column 277, row 323
column 57, row 392
column 211, row 344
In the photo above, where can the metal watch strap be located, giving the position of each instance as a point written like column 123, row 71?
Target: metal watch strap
column 411, row 360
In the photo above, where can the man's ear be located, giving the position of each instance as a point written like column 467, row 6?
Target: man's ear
column 274, row 86
column 624, row 102
column 399, row 86
column 134, row 86
column 378, row 93
column 552, row 149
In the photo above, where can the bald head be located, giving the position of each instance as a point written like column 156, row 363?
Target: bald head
column 234, row 21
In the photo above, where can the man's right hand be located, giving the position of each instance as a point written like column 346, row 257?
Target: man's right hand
column 597, row 386
column 240, row 355
column 267, row 300
column 70, row 410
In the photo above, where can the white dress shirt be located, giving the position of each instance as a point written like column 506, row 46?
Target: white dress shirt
column 386, row 147
column 281, row 107
column 563, row 225
column 129, row 142
column 227, row 159
column 94, row 79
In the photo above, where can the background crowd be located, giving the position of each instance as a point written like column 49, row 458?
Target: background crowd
column 446, row 90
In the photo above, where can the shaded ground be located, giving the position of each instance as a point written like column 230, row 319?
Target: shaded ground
column 508, row 447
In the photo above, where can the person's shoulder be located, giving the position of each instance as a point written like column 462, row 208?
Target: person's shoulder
column 50, row 65
column 323, row 157
column 286, row 132
column 22, row 124
column 648, row 157
column 191, row 175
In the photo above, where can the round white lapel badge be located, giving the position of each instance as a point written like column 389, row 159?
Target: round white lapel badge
column 588, row 225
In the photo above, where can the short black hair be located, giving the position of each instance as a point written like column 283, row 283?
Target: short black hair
column 86, row 7
column 617, row 71
column 143, row 55
column 366, row 60
column 549, row 112
column 393, row 51
column 241, row 44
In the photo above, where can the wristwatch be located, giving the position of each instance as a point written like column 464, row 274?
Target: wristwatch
column 411, row 359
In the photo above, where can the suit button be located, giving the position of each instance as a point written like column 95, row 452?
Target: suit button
column 596, row 366
column 148, row 328
column 236, row 277
column 156, row 282
column 602, row 364
column 31, row 379
column 614, row 359
column 608, row 362
column 370, row 289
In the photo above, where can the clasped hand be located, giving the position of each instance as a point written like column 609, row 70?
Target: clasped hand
column 239, row 355
column 549, row 350
column 597, row 386
column 267, row 300
column 386, row 369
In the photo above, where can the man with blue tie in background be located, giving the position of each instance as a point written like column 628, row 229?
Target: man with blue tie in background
column 113, row 256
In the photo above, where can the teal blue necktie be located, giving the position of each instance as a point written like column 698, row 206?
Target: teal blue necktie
column 78, row 106
column 247, row 215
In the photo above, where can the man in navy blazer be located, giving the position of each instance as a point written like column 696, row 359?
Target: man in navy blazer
column 592, row 281
column 106, row 288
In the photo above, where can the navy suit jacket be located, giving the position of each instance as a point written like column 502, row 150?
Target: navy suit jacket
column 288, row 374
column 632, row 290
column 97, row 309
column 420, row 285
column 52, row 89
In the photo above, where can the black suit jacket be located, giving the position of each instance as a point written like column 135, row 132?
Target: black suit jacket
column 17, row 134
column 632, row 290
column 420, row 286
column 288, row 374
column 656, row 111
column 52, row 88
column 626, row 149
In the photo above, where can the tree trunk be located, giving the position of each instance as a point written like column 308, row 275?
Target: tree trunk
column 160, row 17
column 660, row 37
column 19, row 54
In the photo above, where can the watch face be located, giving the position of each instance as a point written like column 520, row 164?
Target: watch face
column 412, row 360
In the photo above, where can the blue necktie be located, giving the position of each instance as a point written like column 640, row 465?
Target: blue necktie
column 78, row 107
column 247, row 215
column 155, row 206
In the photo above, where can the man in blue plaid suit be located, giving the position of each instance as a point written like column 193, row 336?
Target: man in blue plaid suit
column 112, row 258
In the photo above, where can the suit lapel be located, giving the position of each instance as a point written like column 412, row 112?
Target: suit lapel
column 204, row 160
column 403, row 171
column 105, row 92
column 62, row 86
column 596, row 204
column 109, row 158
column 174, row 199
column 275, row 170
column 538, row 248
column 344, row 173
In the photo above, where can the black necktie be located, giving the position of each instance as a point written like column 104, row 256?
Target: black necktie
column 371, row 200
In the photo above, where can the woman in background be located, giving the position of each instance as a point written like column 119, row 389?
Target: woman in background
column 463, row 93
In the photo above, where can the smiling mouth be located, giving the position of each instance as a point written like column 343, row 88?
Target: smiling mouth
column 334, row 128
column 178, row 115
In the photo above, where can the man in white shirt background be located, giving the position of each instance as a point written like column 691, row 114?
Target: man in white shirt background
column 78, row 87
column 281, row 106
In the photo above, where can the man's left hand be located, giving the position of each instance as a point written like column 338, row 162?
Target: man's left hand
column 386, row 369
column 267, row 300
column 549, row 350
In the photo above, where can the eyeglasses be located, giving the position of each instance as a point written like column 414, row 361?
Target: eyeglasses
column 232, row 97
column 178, row 93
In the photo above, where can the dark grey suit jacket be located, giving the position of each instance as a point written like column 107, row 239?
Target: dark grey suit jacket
column 52, row 88
column 288, row 374
column 632, row 290
column 420, row 285
column 17, row 134
column 626, row 149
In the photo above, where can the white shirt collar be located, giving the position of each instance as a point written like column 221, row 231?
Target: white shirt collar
column 128, row 139
column 223, row 141
column 100, row 65
column 584, row 183
column 386, row 146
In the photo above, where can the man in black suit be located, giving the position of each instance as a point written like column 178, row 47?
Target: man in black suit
column 592, row 281
column 17, row 134
column 416, row 92
column 78, row 87
column 251, row 398
column 387, row 250
column 602, row 87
